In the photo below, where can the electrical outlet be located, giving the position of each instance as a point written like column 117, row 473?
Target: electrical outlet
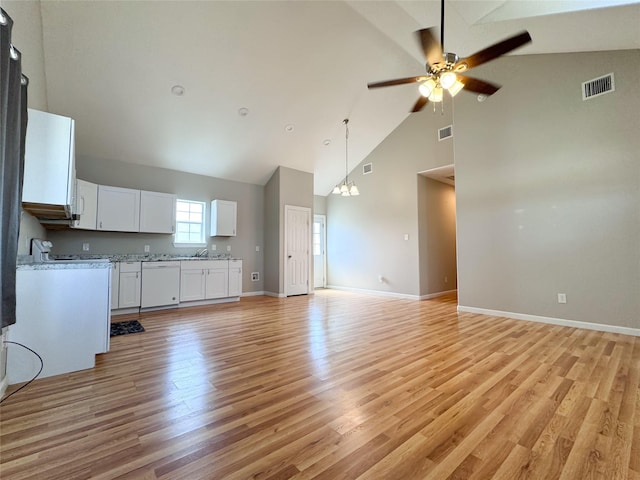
column 228, row 248
column 255, row 276
column 406, row 236
column 213, row 247
column 257, row 248
column 146, row 249
column 562, row 298
column 85, row 247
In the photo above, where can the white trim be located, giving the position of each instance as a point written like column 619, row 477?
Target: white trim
column 125, row 311
column 553, row 321
column 213, row 301
column 252, row 294
column 324, row 253
column 375, row 292
column 429, row 296
column 274, row 294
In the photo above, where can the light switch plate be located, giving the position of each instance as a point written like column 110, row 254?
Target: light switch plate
column 228, row 248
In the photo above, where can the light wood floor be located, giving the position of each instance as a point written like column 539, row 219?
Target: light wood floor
column 335, row 386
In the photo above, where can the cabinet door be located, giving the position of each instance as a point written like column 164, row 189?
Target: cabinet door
column 217, row 283
column 86, row 205
column 129, row 291
column 235, row 278
column 115, row 284
column 192, row 285
column 223, row 218
column 118, row 209
column 49, row 165
column 157, row 212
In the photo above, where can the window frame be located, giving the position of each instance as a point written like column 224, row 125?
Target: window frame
column 203, row 224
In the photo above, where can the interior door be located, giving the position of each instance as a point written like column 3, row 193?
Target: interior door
column 297, row 249
column 319, row 251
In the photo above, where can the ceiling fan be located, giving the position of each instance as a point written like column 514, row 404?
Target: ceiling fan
column 444, row 70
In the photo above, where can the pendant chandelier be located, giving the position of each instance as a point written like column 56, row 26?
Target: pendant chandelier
column 346, row 188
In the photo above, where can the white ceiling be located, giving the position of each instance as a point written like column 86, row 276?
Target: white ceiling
column 111, row 65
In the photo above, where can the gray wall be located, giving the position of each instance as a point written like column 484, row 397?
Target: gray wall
column 285, row 187
column 319, row 205
column 548, row 190
column 437, row 236
column 186, row 186
column 365, row 234
column 272, row 259
column 26, row 35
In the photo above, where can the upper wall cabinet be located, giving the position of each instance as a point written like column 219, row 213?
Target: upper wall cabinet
column 49, row 166
column 223, row 218
column 86, row 205
column 157, row 212
column 118, row 209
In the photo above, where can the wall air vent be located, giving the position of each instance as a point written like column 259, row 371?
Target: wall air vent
column 445, row 132
column 598, row 86
column 367, row 168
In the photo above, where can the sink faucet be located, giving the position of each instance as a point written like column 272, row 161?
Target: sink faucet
column 202, row 252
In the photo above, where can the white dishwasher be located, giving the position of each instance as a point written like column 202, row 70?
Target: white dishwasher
column 160, row 284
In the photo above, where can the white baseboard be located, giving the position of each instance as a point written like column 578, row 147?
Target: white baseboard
column 274, row 294
column 215, row 301
column 436, row 295
column 375, row 292
column 252, row 294
column 553, row 321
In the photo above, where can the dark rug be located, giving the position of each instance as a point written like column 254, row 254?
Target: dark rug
column 122, row 328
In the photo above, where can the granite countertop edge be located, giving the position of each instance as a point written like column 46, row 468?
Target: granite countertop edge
column 26, row 262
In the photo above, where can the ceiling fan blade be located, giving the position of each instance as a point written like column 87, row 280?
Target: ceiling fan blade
column 430, row 45
column 478, row 86
column 422, row 101
column 496, row 50
column 398, row 81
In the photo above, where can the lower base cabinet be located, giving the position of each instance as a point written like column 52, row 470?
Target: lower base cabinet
column 235, row 278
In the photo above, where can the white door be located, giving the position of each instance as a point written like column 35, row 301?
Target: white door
column 319, row 251
column 297, row 250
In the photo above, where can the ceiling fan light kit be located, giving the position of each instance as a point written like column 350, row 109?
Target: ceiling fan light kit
column 444, row 70
column 346, row 188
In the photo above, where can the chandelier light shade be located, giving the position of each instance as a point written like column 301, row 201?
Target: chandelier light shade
column 346, row 188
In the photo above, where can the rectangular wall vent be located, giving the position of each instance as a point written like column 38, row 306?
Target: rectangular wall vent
column 445, row 132
column 367, row 168
column 598, row 86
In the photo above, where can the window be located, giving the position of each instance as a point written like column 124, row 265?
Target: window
column 316, row 238
column 190, row 222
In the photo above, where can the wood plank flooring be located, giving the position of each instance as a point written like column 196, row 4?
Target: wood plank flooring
column 335, row 385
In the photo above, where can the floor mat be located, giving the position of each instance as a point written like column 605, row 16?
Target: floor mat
column 122, row 328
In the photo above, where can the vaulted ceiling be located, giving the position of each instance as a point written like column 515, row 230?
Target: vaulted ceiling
column 297, row 67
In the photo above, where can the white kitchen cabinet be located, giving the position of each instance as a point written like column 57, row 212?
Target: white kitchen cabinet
column 192, row 281
column 235, row 278
column 157, row 212
column 49, row 166
column 223, row 218
column 204, row 280
column 63, row 314
column 115, row 284
column 160, row 284
column 217, row 284
column 118, row 209
column 86, row 205
column 130, row 285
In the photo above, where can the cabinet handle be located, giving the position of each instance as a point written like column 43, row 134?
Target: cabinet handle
column 100, row 224
column 136, row 274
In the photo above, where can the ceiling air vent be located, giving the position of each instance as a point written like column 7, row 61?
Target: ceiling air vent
column 367, row 168
column 445, row 132
column 598, row 86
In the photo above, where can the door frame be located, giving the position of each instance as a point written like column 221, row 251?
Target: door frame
column 287, row 208
column 324, row 253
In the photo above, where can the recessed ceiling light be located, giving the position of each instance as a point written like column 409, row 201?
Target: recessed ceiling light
column 482, row 97
column 177, row 90
column 243, row 112
column 289, row 128
column 327, row 142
